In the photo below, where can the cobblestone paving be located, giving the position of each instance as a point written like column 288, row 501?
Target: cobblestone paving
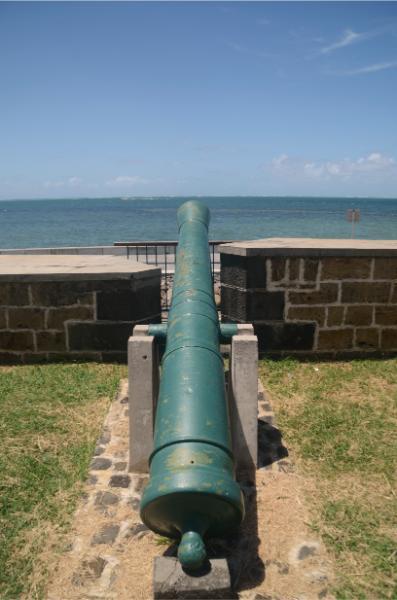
column 274, row 556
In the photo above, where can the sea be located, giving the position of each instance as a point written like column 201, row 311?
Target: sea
column 103, row 221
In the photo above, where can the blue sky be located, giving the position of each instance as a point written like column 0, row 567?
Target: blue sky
column 190, row 98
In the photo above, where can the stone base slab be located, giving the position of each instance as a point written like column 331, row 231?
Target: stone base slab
column 171, row 581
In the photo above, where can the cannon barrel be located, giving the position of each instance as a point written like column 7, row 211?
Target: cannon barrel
column 192, row 492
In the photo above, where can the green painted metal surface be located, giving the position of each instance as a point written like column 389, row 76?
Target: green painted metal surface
column 227, row 330
column 192, row 493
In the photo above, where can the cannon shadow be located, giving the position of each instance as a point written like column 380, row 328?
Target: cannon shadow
column 240, row 548
column 246, row 567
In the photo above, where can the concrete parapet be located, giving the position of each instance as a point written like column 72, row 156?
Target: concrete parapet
column 313, row 297
column 73, row 307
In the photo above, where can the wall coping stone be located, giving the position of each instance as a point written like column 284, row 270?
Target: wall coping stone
column 72, row 268
column 310, row 247
column 77, row 250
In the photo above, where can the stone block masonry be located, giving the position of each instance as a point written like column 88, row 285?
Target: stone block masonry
column 73, row 307
column 313, row 297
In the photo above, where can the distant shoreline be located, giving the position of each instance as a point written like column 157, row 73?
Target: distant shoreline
column 127, row 198
column 102, row 221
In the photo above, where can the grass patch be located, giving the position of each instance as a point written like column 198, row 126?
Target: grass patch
column 339, row 420
column 50, row 418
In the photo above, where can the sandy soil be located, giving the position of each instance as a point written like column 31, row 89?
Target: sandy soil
column 275, row 556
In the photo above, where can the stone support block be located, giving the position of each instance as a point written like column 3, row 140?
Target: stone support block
column 249, row 305
column 310, row 269
column 243, row 272
column 294, row 268
column 389, row 339
column 98, row 336
column 359, row 315
column 278, row 268
column 386, row 315
column 385, row 268
column 280, row 336
column 335, row 315
column 307, row 313
column 56, row 317
column 61, row 293
column 10, row 358
column 171, row 581
column 51, row 341
column 26, row 318
column 345, row 268
column 128, row 305
column 335, row 339
column 327, row 294
column 243, row 398
column 16, row 340
column 363, row 292
column 14, row 294
column 367, row 338
column 143, row 383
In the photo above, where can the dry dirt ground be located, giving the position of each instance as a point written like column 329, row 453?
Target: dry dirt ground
column 274, row 557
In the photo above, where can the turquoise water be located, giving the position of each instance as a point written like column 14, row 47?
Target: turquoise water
column 86, row 222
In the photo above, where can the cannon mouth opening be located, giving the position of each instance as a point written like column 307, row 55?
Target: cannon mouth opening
column 193, row 210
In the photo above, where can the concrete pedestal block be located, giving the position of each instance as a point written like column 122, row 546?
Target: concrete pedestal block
column 170, row 581
column 243, row 399
column 143, row 384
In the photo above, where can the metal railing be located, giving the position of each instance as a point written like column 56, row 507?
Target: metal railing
column 162, row 254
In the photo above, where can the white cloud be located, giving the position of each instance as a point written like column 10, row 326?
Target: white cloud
column 279, row 161
column 70, row 182
column 371, row 68
column 53, row 184
column 312, row 169
column 126, row 180
column 349, row 37
column 299, row 168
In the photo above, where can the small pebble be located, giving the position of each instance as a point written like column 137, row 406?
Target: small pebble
column 306, row 551
column 100, row 464
column 120, row 466
column 105, row 437
column 104, row 499
column 134, row 502
column 122, row 481
column 106, row 535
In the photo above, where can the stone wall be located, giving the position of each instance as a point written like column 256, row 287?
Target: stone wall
column 76, row 311
column 333, row 298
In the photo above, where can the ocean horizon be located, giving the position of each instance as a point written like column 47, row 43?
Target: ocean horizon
column 103, row 221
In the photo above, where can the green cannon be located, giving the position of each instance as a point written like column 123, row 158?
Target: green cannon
column 192, row 493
